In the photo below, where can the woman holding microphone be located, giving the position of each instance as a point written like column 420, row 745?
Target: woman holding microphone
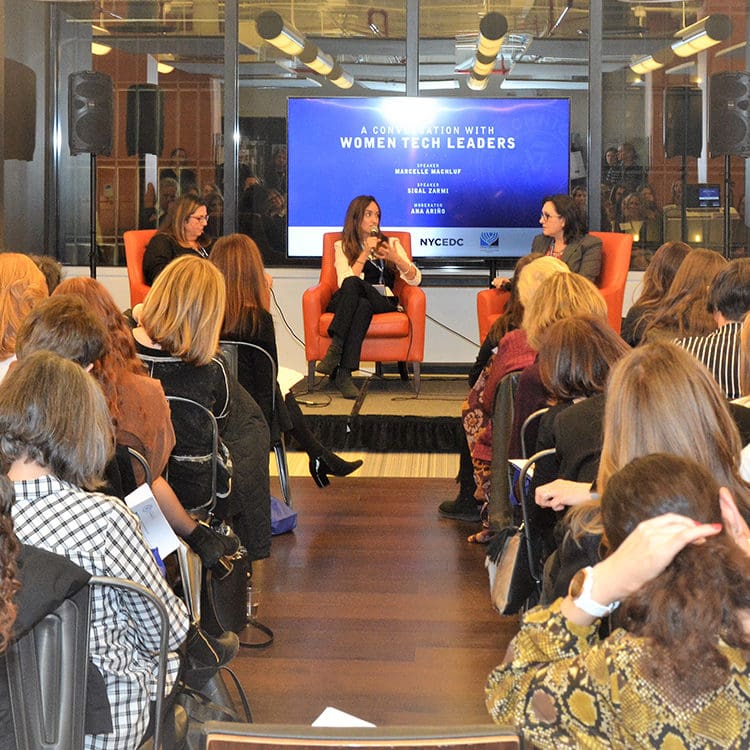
column 366, row 266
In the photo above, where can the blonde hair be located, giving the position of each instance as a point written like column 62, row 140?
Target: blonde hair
column 560, row 296
column 22, row 287
column 661, row 399
column 184, row 309
column 534, row 274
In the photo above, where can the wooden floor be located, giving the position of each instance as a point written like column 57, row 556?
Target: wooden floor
column 379, row 607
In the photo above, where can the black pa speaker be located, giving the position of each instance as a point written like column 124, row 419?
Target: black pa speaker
column 90, row 98
column 729, row 120
column 683, row 134
column 145, row 120
column 19, row 111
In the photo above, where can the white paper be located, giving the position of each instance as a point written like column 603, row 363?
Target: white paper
column 333, row 717
column 155, row 527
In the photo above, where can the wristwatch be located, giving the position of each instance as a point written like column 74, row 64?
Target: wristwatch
column 580, row 592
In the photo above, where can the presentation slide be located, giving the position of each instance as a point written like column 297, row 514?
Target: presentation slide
column 466, row 178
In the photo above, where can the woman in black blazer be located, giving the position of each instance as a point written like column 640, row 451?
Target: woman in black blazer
column 565, row 236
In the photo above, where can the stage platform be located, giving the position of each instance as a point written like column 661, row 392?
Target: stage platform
column 388, row 416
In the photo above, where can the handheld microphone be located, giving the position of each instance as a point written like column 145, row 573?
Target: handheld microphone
column 374, row 232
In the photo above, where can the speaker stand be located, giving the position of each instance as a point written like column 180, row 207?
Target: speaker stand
column 683, row 199
column 93, row 248
column 727, row 190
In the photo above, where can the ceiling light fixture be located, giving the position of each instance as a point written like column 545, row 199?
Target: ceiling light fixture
column 492, row 29
column 702, row 34
column 650, row 63
column 271, row 27
column 164, row 68
column 100, row 49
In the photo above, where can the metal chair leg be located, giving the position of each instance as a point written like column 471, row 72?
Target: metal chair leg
column 279, row 450
column 416, row 365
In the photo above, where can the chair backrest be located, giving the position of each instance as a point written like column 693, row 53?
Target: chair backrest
column 616, row 250
column 531, row 422
column 262, row 366
column 188, row 447
column 226, row 736
column 47, row 671
column 47, row 678
column 135, row 246
column 327, row 267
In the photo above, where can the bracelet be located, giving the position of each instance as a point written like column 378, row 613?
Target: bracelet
column 582, row 598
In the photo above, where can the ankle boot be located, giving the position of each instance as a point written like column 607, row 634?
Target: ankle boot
column 330, row 362
column 321, row 466
column 345, row 384
column 463, row 508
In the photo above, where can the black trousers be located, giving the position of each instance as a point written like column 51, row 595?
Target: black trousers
column 353, row 306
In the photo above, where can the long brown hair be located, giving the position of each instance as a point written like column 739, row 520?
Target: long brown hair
column 661, row 399
column 9, row 548
column 698, row 598
column 684, row 309
column 351, row 242
column 119, row 354
column 238, row 258
column 660, row 273
column 576, row 355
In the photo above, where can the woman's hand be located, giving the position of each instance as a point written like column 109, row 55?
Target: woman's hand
column 501, row 283
column 561, row 493
column 645, row 553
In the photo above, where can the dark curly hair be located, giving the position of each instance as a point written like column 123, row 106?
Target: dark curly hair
column 697, row 599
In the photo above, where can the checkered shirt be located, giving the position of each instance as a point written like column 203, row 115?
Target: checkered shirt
column 100, row 534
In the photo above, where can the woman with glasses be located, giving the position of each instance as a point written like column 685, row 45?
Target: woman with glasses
column 565, row 237
column 184, row 236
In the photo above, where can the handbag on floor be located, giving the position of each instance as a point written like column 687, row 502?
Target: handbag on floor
column 511, row 583
column 283, row 518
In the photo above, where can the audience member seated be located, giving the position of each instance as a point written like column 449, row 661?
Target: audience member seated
column 178, row 339
column 184, row 236
column 728, row 302
column 51, row 268
column 57, row 439
column 656, row 281
column 565, row 237
column 647, row 232
column 82, row 323
column 684, row 309
column 563, row 297
column 513, row 353
column 22, row 286
column 575, row 358
column 248, row 320
column 664, row 400
column 177, row 170
column 464, row 507
column 674, row 674
column 159, row 214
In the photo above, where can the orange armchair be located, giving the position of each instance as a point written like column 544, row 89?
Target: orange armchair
column 616, row 249
column 135, row 246
column 490, row 306
column 391, row 337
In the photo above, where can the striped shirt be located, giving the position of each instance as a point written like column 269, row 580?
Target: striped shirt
column 719, row 351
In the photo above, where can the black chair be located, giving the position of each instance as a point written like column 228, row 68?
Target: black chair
column 47, row 670
column 264, row 367
column 190, row 449
column 532, row 514
column 531, row 422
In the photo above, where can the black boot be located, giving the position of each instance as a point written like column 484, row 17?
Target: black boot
column 463, row 508
column 330, row 362
column 211, row 545
column 345, row 384
column 322, row 466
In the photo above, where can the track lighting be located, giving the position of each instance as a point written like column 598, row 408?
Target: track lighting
column 272, row 28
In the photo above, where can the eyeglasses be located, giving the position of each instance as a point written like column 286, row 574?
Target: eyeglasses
column 546, row 217
column 202, row 218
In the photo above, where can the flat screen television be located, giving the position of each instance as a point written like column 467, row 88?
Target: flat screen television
column 465, row 177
